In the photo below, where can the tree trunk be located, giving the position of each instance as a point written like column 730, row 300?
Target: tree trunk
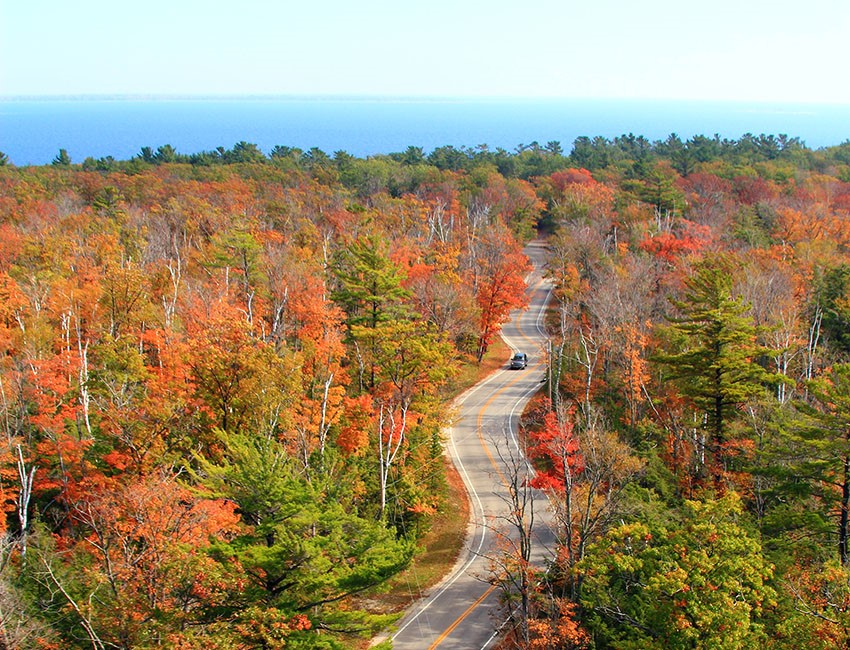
column 845, row 510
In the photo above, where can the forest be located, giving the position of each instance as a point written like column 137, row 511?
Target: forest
column 224, row 378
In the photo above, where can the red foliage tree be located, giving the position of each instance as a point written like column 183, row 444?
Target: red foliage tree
column 555, row 449
column 501, row 285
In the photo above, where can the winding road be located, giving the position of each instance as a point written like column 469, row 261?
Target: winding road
column 461, row 612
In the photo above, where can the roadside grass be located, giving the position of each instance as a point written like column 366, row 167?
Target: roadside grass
column 439, row 549
column 441, row 545
column 471, row 373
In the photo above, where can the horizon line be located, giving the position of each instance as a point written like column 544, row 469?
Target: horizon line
column 369, row 97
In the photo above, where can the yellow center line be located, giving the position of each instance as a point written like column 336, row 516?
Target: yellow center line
column 469, row 610
column 495, row 465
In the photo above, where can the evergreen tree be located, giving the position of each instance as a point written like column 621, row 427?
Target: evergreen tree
column 370, row 288
column 62, row 159
column 370, row 291
column 833, row 291
column 716, row 365
column 304, row 547
column 824, row 463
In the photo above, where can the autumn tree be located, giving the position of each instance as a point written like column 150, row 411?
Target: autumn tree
column 818, row 616
column 411, row 363
column 779, row 313
column 439, row 294
column 701, row 582
column 584, row 471
column 135, row 574
column 241, row 381
column 499, row 284
column 238, row 253
column 537, row 614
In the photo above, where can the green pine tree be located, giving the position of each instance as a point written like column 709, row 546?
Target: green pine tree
column 716, row 363
column 62, row 159
column 305, row 547
column 369, row 289
column 369, row 283
column 824, row 441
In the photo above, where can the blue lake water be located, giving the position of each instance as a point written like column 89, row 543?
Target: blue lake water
column 33, row 131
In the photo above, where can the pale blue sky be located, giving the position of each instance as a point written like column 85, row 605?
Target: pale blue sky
column 768, row 50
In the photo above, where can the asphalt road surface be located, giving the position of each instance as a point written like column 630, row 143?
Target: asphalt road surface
column 462, row 612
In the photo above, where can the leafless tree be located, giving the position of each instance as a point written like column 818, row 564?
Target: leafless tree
column 511, row 564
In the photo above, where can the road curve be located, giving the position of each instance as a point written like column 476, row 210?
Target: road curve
column 461, row 612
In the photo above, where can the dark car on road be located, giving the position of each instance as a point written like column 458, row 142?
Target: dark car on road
column 519, row 361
